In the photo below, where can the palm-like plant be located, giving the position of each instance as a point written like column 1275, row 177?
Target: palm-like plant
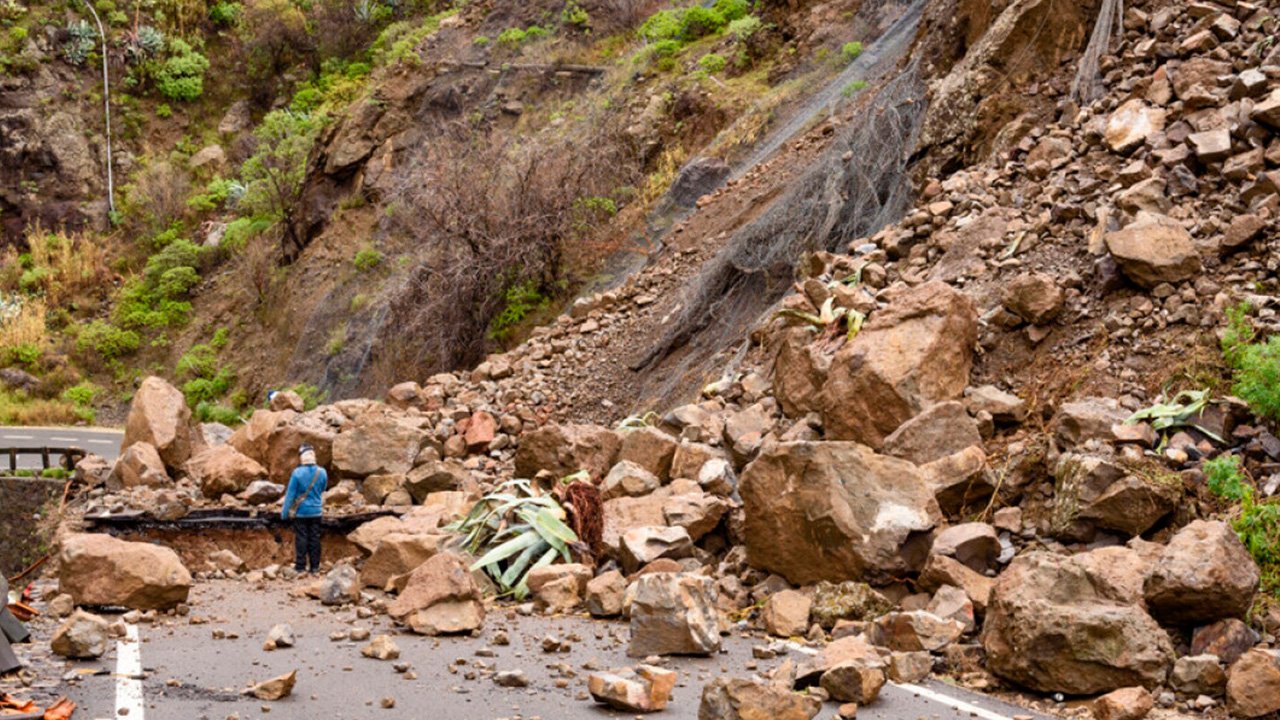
column 518, row 529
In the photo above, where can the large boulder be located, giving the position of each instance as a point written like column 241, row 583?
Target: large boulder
column 939, row 431
column 565, row 449
column 1062, row 624
column 159, row 416
column 835, row 511
column 1092, row 491
column 97, row 569
column 273, row 438
column 441, row 597
column 1253, row 684
column 1204, row 574
column 650, row 448
column 799, row 372
column 377, row 444
column 1154, row 249
column 139, row 465
column 741, row 699
column 674, row 614
column 224, row 470
column 399, row 553
column 916, row 352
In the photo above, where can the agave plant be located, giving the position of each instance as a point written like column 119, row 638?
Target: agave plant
column 82, row 41
column 1182, row 411
column 828, row 317
column 146, row 42
column 518, row 529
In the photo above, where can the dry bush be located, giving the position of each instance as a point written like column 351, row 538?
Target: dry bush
column 259, row 265
column 489, row 217
column 71, row 264
column 22, row 322
column 161, row 191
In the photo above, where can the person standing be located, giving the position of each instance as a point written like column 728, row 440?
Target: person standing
column 304, row 504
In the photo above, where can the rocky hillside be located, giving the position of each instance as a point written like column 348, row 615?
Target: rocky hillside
column 1019, row 435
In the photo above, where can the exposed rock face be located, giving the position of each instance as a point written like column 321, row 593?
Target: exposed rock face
column 1204, row 574
column 159, row 416
column 377, row 444
column 139, row 465
column 83, row 635
column 674, row 614
column 223, row 469
column 913, row 353
column 1056, row 624
column 101, row 570
column 835, row 511
column 566, row 449
column 440, row 598
column 739, row 699
column 1154, row 249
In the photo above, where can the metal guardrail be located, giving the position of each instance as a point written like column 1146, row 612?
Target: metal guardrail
column 69, row 456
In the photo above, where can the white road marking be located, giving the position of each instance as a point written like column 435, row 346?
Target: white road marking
column 129, row 701
column 943, row 699
column 924, row 692
column 19, row 437
column 101, row 442
column 63, row 439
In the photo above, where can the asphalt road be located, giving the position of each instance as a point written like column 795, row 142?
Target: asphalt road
column 186, row 674
column 94, row 440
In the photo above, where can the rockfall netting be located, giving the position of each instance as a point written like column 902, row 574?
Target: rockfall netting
column 1087, row 84
column 858, row 186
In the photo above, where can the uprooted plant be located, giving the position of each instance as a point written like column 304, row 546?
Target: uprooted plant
column 1180, row 412
column 518, row 529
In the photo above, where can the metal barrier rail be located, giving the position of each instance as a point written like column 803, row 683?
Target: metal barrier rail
column 69, row 456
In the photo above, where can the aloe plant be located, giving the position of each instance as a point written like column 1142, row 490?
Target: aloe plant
column 518, row 530
column 828, row 317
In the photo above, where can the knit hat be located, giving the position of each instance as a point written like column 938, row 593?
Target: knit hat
column 308, row 455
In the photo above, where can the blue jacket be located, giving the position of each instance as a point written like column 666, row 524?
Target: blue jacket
column 313, row 503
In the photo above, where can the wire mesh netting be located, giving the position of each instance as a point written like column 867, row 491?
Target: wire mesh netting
column 858, row 186
column 1087, row 84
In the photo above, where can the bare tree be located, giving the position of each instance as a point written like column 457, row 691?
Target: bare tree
column 490, row 217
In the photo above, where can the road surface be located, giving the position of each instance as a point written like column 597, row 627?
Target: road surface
column 179, row 671
column 99, row 441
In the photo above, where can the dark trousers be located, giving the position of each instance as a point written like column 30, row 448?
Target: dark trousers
column 306, row 543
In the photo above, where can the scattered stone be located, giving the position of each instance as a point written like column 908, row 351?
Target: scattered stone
column 646, row 689
column 786, row 613
column 674, row 614
column 511, row 679
column 1203, row 574
column 276, row 688
column 340, row 586
column 381, row 647
column 440, row 597
column 1131, row 703
column 97, row 569
column 739, row 699
column 81, row 636
column 1253, row 684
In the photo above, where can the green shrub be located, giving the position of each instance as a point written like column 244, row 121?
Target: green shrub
column 17, row 34
column 208, row 412
column 732, row 10
column 28, row 354
column 480, row 40
column 712, row 63
column 106, row 340
column 850, row 51
column 1225, row 478
column 699, row 22
column 310, row 394
column 164, row 111
column 225, row 13
column 575, row 14
column 367, row 259
column 515, row 37
column 240, row 230
column 744, row 28
column 662, row 25
column 520, row 300
column 181, row 76
column 853, row 87
column 1255, row 365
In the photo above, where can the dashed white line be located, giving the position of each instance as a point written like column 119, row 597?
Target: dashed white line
column 101, row 442
column 960, row 705
column 19, row 437
column 129, row 700
column 63, row 439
